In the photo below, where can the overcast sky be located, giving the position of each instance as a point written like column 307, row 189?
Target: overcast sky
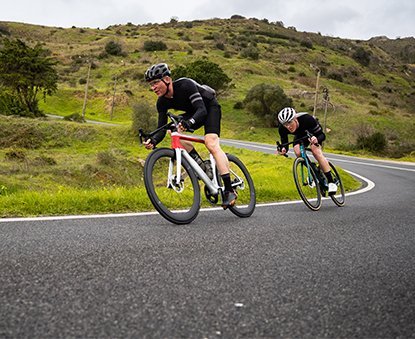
column 352, row 19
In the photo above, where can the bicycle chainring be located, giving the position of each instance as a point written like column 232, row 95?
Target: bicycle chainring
column 212, row 198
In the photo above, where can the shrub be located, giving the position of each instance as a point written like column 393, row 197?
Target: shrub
column 375, row 142
column 204, row 72
column 151, row 46
column 265, row 101
column 113, row 48
column 143, row 116
column 250, row 52
column 238, row 105
column 362, row 56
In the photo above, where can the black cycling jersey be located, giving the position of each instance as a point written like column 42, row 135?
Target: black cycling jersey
column 197, row 101
column 306, row 123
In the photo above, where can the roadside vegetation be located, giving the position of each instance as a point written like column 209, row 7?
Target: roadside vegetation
column 57, row 167
column 365, row 101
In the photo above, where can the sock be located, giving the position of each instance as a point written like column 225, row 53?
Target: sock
column 227, row 181
column 328, row 176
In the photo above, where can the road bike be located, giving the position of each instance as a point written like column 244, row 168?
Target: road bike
column 171, row 178
column 310, row 179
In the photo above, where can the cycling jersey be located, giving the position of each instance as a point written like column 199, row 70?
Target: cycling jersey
column 197, row 101
column 306, row 123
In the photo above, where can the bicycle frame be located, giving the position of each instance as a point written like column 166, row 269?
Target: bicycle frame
column 180, row 152
column 307, row 161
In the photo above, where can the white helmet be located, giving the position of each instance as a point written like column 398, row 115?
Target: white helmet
column 287, row 114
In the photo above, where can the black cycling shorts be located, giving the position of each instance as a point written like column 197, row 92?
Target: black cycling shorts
column 212, row 120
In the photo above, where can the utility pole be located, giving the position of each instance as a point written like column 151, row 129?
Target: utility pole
column 326, row 99
column 86, row 89
column 114, row 92
column 113, row 97
column 316, row 93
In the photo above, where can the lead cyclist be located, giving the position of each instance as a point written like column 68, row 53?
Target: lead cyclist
column 201, row 108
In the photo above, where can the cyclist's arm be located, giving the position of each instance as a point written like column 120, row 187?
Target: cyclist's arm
column 283, row 135
column 200, row 111
column 162, row 120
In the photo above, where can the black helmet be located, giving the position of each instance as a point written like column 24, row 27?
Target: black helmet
column 157, row 71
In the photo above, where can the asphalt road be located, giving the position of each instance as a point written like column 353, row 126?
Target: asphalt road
column 285, row 272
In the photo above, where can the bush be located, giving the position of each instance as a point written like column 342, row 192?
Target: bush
column 265, row 101
column 375, row 142
column 151, row 46
column 113, row 48
column 362, row 56
column 250, row 53
column 204, row 72
column 143, row 116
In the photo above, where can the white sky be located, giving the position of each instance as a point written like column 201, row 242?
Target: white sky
column 352, row 19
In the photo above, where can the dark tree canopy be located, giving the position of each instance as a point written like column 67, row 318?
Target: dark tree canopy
column 265, row 101
column 204, row 72
column 24, row 73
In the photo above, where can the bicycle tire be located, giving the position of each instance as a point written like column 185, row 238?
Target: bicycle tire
column 246, row 202
column 309, row 193
column 339, row 198
column 177, row 207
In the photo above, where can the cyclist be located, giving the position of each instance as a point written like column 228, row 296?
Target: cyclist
column 291, row 122
column 200, row 109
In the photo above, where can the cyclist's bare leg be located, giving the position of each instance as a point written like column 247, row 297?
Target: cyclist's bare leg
column 297, row 150
column 187, row 145
column 321, row 159
column 212, row 144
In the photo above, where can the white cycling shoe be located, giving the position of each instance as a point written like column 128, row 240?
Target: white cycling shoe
column 332, row 188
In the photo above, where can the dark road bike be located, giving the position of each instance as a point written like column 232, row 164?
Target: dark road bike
column 311, row 181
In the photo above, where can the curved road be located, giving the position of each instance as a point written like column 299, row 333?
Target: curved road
column 284, row 272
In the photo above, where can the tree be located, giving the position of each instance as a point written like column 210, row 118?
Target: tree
column 114, row 48
column 25, row 72
column 362, row 56
column 204, row 72
column 265, row 101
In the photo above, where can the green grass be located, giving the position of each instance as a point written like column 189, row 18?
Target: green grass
column 70, row 168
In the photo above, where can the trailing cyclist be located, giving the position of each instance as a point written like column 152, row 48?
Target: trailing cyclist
column 291, row 122
column 200, row 109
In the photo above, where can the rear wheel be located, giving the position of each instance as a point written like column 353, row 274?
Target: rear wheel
column 339, row 197
column 243, row 184
column 179, row 203
column 307, row 184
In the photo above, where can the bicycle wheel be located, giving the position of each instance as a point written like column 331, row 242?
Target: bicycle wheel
column 243, row 184
column 307, row 184
column 339, row 197
column 178, row 203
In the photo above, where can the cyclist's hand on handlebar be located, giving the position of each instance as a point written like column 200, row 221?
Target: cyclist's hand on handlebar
column 149, row 143
column 313, row 140
column 281, row 151
column 186, row 125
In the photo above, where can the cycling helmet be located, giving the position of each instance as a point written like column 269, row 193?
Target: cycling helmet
column 287, row 114
column 157, row 71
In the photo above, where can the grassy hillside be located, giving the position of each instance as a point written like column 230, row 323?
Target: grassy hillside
column 378, row 97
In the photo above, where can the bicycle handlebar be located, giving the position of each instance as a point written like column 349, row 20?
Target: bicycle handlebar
column 175, row 121
column 281, row 146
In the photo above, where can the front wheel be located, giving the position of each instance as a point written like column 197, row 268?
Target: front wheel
column 178, row 202
column 243, row 184
column 339, row 197
column 307, row 184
